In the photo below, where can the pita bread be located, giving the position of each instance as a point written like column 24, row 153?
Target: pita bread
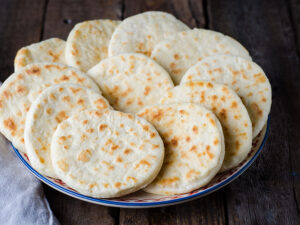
column 51, row 50
column 194, row 146
column 23, row 87
column 140, row 33
column 106, row 153
column 182, row 50
column 87, row 43
column 131, row 81
column 245, row 77
column 52, row 106
column 229, row 109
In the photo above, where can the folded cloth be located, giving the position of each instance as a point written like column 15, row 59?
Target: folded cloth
column 22, row 199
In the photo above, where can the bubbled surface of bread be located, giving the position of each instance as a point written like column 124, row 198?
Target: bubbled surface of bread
column 87, row 43
column 245, row 77
column 54, row 105
column 51, row 50
column 106, row 154
column 182, row 50
column 19, row 91
column 140, row 33
column 131, row 81
column 229, row 109
column 194, row 146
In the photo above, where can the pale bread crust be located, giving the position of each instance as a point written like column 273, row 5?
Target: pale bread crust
column 19, row 91
column 87, row 43
column 182, row 50
column 51, row 50
column 245, row 77
column 110, row 155
column 131, row 81
column 229, row 109
column 54, row 105
column 141, row 32
column 194, row 146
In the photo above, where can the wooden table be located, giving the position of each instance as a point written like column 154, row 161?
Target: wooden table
column 269, row 192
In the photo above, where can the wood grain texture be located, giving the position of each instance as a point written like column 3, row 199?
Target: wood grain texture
column 71, row 211
column 294, row 10
column 190, row 12
column 61, row 16
column 268, row 193
column 20, row 24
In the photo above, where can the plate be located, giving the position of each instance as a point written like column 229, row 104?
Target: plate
column 142, row 199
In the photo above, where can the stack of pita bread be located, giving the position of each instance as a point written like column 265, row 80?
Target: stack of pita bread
column 100, row 110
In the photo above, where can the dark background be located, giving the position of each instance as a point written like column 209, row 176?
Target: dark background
column 269, row 191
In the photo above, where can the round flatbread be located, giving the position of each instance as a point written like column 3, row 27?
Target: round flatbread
column 182, row 50
column 87, row 43
column 51, row 50
column 23, row 87
column 131, row 81
column 194, row 146
column 245, row 77
column 229, row 109
column 140, row 33
column 106, row 153
column 54, row 105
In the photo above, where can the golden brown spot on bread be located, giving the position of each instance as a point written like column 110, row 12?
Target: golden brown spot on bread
column 234, row 104
column 260, row 78
column 49, row 111
column 195, row 129
column 131, row 178
column 102, row 127
column 52, row 96
column 80, row 101
column 119, row 159
column 105, row 185
column 174, row 141
column 63, row 165
column 34, row 71
column 85, row 122
column 61, row 116
column 66, row 147
column 176, row 56
column 188, row 139
column 129, row 101
column 66, row 99
column 216, row 141
column 147, row 90
column 209, row 85
column 83, row 137
column 152, row 135
column 42, row 160
column 193, row 148
column 210, row 155
column 264, row 99
column 155, row 146
column 114, row 147
column 75, row 90
column 7, row 94
column 157, row 115
column 146, row 127
column 168, row 181
column 192, row 171
column 21, row 89
column 223, row 114
column 214, row 97
column 10, row 124
column 91, row 130
column 127, row 151
column 117, row 184
column 85, row 155
column 64, row 78
column 202, row 96
column 130, row 116
column 91, row 186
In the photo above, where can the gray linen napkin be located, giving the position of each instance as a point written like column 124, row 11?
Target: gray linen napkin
column 22, row 199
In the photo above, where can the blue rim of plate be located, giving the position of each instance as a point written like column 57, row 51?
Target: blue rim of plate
column 114, row 203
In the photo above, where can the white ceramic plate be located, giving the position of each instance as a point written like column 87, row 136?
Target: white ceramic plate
column 142, row 199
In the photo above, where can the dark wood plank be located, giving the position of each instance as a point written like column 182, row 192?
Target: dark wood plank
column 268, row 193
column 71, row 211
column 207, row 210
column 190, row 12
column 20, row 25
column 61, row 16
column 210, row 209
column 294, row 8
